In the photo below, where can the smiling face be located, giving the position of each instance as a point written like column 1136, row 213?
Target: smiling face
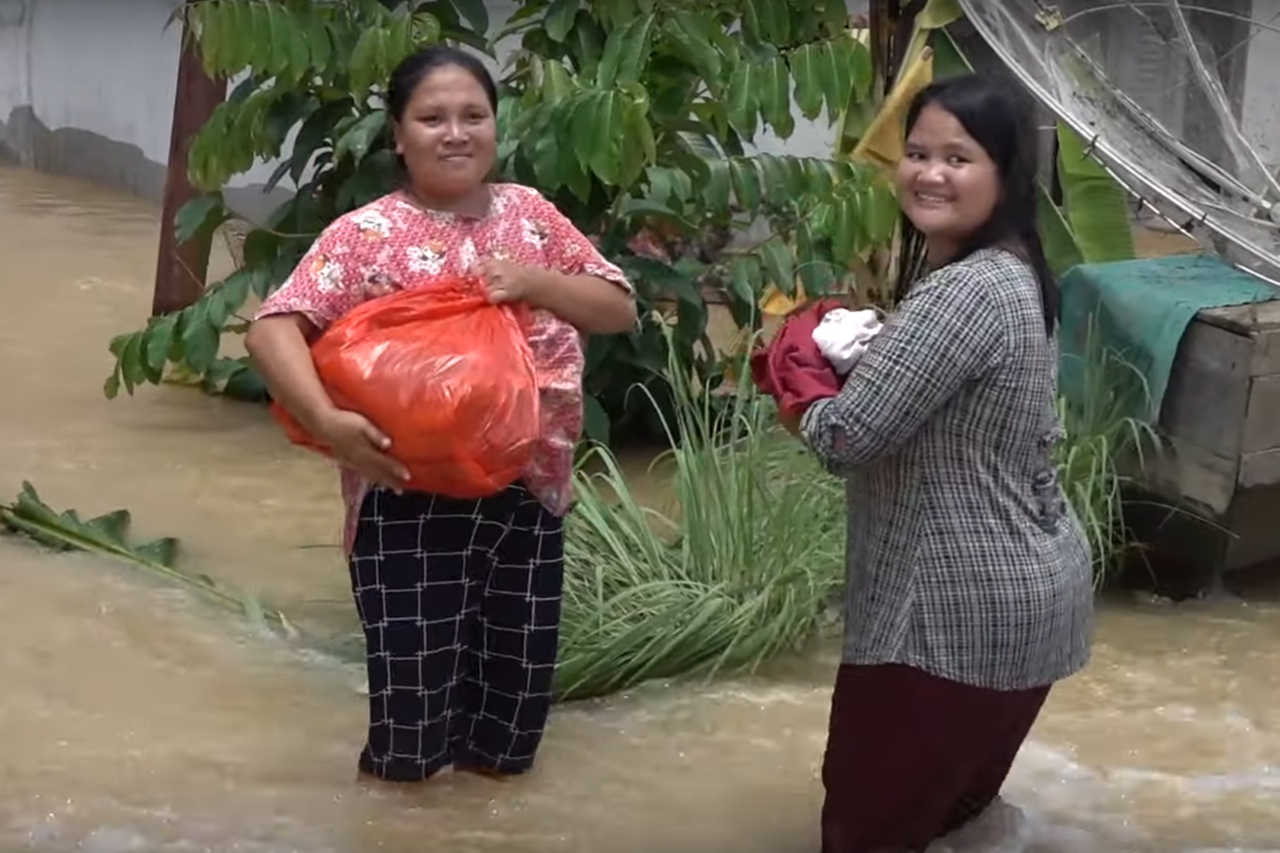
column 447, row 135
column 947, row 183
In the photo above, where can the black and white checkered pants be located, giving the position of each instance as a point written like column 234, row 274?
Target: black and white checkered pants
column 460, row 603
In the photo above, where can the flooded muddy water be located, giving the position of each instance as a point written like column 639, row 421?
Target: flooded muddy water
column 135, row 718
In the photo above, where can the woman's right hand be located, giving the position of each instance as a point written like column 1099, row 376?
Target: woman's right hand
column 357, row 443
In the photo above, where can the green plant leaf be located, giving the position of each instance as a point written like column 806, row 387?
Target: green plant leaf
column 775, row 99
column 560, row 19
column 359, row 138
column 1095, row 205
column 743, row 100
column 685, row 36
column 106, row 536
column 200, row 215
column 806, row 69
column 475, row 13
column 599, row 123
column 1060, row 247
column 625, row 52
column 780, row 264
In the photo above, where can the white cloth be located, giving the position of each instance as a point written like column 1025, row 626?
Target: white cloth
column 842, row 336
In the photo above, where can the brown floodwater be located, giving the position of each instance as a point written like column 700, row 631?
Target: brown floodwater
column 136, row 718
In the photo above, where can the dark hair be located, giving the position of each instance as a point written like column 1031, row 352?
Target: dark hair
column 417, row 67
column 999, row 118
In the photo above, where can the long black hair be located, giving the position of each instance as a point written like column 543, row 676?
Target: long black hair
column 1000, row 119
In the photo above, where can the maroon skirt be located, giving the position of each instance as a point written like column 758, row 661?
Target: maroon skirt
column 912, row 757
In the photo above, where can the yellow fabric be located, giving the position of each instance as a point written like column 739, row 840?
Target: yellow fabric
column 881, row 145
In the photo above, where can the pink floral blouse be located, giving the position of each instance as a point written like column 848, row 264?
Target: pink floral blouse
column 391, row 244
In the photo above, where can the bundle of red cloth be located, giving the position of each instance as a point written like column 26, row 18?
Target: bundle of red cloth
column 791, row 369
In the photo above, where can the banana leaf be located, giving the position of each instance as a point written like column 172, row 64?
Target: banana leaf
column 107, row 536
column 1095, row 205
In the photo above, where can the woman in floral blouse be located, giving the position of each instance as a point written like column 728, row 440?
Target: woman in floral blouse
column 459, row 599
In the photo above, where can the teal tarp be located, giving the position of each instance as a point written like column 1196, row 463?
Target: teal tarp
column 1139, row 310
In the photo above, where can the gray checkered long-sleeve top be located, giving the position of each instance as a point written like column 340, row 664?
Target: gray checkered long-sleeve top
column 965, row 559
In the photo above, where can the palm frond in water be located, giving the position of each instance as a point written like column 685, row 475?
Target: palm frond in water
column 107, row 536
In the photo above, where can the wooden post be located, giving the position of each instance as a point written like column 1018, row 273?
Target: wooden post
column 181, row 270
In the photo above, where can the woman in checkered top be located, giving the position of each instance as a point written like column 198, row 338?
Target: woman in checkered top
column 969, row 587
column 460, row 599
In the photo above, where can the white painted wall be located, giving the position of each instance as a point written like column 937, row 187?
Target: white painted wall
column 87, row 60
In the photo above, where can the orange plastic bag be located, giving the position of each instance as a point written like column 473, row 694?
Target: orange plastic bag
column 446, row 375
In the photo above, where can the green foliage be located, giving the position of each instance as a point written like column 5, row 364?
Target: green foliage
column 1102, row 450
column 635, row 117
column 107, row 536
column 742, row 570
column 317, row 67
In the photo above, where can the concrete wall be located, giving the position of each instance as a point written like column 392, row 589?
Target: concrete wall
column 87, row 89
column 1261, row 110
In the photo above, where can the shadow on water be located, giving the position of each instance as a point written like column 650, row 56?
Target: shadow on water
column 135, row 719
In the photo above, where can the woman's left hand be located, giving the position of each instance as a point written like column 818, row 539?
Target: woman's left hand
column 506, row 281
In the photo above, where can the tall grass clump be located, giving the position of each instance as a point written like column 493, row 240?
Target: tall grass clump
column 1103, row 449
column 742, row 568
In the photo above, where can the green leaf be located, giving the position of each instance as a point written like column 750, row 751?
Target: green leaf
column 200, row 215
column 133, row 365
column 817, row 275
column 586, row 44
column 881, row 214
column 557, row 85
column 835, row 76
column 844, row 234
column 199, row 337
column 780, row 264
column 475, row 13
column 743, row 101
column 366, row 61
column 599, row 123
column 1060, row 247
column 746, row 183
column 1096, row 206
column 360, row 137
column 107, row 536
column 861, row 72
column 560, row 18
column 685, row 36
column 716, row 193
column 806, row 69
column 744, row 278
column 246, row 384
column 158, row 342
column 767, row 21
column 625, row 53
column 775, row 98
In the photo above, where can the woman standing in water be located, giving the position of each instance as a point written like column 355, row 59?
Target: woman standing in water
column 459, row 599
column 969, row 588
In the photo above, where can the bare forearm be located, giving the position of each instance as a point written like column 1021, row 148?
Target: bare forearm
column 278, row 347
column 590, row 304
